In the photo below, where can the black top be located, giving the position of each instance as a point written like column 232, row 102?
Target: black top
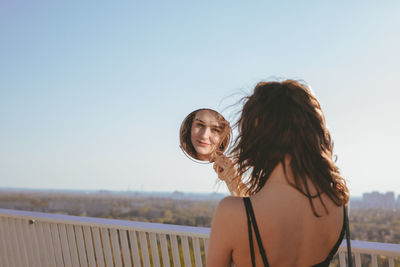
column 251, row 221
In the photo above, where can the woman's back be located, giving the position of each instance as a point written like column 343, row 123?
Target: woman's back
column 284, row 154
column 290, row 232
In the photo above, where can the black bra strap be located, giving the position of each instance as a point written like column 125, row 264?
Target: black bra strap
column 251, row 220
column 346, row 218
column 251, row 223
column 250, row 233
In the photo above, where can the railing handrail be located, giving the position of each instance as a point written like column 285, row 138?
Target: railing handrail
column 373, row 248
column 202, row 232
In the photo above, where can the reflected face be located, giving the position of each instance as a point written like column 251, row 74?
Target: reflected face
column 205, row 134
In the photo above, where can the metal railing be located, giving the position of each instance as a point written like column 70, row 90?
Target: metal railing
column 45, row 239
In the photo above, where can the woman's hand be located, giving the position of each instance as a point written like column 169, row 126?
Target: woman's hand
column 226, row 171
column 224, row 168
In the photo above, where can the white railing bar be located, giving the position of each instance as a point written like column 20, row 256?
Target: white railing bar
column 197, row 253
column 87, row 234
column 49, row 243
column 154, row 249
column 175, row 251
column 81, row 246
column 27, row 235
column 201, row 232
column 23, row 246
column 164, row 250
column 186, row 253
column 391, row 262
column 126, row 256
column 374, row 260
column 205, row 241
column 13, row 242
column 72, row 245
column 357, row 257
column 57, row 244
column 115, row 248
column 98, row 247
column 342, row 259
column 10, row 246
column 64, row 245
column 3, row 246
column 33, row 235
column 20, row 241
column 144, row 248
column 134, row 248
column 107, row 247
column 44, row 257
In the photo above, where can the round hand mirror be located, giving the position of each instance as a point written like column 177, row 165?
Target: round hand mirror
column 204, row 134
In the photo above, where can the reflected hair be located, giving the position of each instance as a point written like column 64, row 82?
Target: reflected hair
column 285, row 118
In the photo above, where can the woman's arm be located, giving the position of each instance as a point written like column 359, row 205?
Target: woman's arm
column 219, row 252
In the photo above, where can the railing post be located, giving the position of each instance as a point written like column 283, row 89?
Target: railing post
column 342, row 259
column 175, row 251
column 3, row 246
column 164, row 250
column 98, row 247
column 186, row 252
column 197, row 252
column 115, row 248
column 107, row 247
column 123, row 235
column 145, row 248
column 391, row 262
column 154, row 249
column 134, row 248
column 374, row 260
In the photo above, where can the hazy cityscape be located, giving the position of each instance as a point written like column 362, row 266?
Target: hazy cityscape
column 87, row 200
column 376, row 200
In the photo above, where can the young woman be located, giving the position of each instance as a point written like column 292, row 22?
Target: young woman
column 295, row 213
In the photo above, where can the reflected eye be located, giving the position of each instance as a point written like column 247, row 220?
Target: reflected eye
column 216, row 130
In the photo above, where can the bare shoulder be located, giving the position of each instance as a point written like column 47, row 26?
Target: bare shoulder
column 225, row 222
column 231, row 201
column 230, row 206
column 229, row 212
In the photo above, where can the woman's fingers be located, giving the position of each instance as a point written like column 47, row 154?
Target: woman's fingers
column 223, row 166
column 219, row 170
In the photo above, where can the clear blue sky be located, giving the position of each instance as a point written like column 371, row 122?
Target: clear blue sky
column 92, row 93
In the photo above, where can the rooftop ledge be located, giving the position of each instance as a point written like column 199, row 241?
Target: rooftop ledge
column 45, row 239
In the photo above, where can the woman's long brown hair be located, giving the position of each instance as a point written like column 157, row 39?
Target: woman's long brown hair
column 285, row 119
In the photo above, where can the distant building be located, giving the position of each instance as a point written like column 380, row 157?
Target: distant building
column 377, row 200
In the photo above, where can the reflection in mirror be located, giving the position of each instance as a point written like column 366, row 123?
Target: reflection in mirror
column 204, row 134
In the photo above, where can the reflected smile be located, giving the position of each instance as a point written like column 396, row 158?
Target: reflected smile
column 201, row 143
